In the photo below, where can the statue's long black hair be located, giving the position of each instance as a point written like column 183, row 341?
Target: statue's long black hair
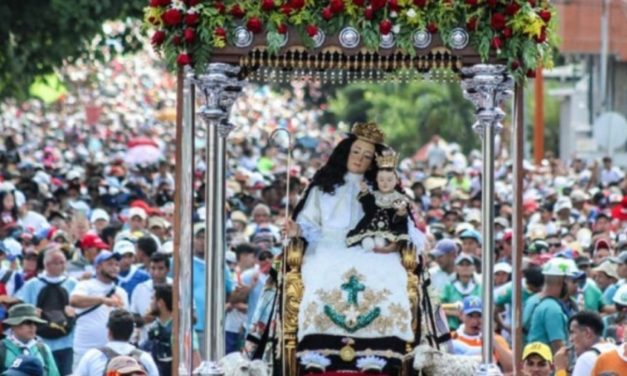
column 331, row 175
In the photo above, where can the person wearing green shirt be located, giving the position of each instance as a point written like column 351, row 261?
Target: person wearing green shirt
column 544, row 319
column 23, row 321
column 464, row 285
column 585, row 293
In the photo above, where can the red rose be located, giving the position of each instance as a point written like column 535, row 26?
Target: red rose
column 545, row 15
column 432, row 27
column 512, row 8
column 394, row 5
column 385, row 27
column 158, row 38
column 219, row 32
column 192, row 19
column 183, row 59
column 220, row 7
column 472, row 3
column 507, row 32
column 359, row 3
column 531, row 73
column 492, row 3
column 532, row 3
column 471, row 25
column 327, row 13
column 297, row 4
column 496, row 43
column 286, row 9
column 189, row 35
column 165, row 3
column 378, row 4
column 498, row 21
column 542, row 37
column 237, row 11
column 172, row 17
column 515, row 65
column 176, row 40
column 193, row 3
column 282, row 28
column 369, row 13
column 336, row 6
column 420, row 3
column 255, row 25
column 267, row 5
column 312, row 30
column 155, row 3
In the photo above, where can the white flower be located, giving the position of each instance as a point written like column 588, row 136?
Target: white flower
column 396, row 29
column 393, row 14
column 411, row 13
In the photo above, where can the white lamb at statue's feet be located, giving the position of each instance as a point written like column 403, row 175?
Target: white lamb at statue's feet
column 433, row 362
column 368, row 244
column 235, row 364
column 380, row 242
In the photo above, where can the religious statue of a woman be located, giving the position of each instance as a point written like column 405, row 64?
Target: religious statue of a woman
column 355, row 313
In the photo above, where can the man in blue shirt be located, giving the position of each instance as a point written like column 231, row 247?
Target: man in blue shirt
column 130, row 274
column 199, row 275
column 54, row 272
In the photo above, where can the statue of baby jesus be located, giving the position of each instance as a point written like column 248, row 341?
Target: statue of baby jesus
column 384, row 224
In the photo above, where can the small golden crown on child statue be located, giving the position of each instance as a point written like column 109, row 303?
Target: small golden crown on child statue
column 368, row 132
column 387, row 159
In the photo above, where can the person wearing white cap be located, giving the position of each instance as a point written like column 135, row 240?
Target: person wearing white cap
column 544, row 318
column 502, row 273
column 130, row 274
column 99, row 219
column 137, row 219
column 464, row 285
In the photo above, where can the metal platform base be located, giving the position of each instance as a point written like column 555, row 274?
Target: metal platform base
column 488, row 370
column 207, row 368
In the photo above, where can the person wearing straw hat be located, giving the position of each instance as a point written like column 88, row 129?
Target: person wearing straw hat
column 23, row 322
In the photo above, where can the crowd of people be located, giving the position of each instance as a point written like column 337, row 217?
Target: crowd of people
column 86, row 231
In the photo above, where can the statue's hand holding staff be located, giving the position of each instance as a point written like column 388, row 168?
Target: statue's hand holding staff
column 390, row 248
column 292, row 229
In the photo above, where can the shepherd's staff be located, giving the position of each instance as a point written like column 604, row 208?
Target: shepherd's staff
column 289, row 165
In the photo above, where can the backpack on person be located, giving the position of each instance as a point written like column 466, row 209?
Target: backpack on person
column 41, row 347
column 110, row 354
column 159, row 345
column 52, row 300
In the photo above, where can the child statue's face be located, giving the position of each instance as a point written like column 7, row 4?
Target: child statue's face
column 386, row 181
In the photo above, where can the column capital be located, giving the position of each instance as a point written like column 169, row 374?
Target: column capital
column 486, row 86
column 220, row 87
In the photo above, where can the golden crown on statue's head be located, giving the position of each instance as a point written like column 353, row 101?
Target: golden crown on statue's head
column 387, row 159
column 368, row 132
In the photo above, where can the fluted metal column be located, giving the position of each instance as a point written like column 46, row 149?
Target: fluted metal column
column 486, row 86
column 220, row 86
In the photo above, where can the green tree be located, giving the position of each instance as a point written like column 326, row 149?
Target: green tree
column 411, row 113
column 36, row 36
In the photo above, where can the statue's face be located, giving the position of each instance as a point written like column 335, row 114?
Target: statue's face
column 360, row 157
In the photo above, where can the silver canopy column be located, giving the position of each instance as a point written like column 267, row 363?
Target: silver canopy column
column 486, row 86
column 220, row 87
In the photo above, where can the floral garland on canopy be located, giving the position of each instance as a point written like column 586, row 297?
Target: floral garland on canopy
column 521, row 32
